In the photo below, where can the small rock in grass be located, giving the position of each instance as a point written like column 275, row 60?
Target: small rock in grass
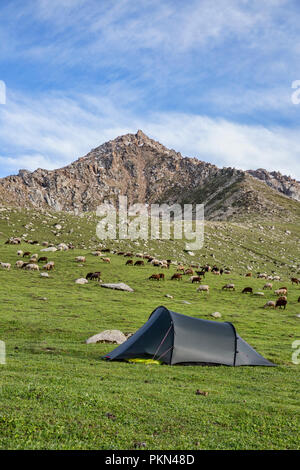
column 216, row 315
column 201, row 392
column 169, row 296
column 81, row 280
column 44, row 275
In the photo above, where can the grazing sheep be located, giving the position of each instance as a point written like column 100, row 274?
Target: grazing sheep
column 248, row 275
column 276, row 278
column 280, row 292
column 195, row 279
column 247, row 290
column 180, row 268
column 106, row 260
column 32, row 267
column 270, row 304
column 228, row 287
column 177, row 276
column 281, row 302
column 49, row 266
column 269, row 285
column 20, row 253
column 93, row 276
column 262, row 276
column 129, row 262
column 80, row 259
column 43, row 259
column 295, row 280
column 26, row 254
column 201, row 273
column 139, row 263
column 19, row 263
column 203, row 288
column 96, row 253
column 157, row 277
column 189, row 271
column 6, row 266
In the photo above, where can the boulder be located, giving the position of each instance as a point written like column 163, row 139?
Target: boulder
column 81, row 280
column 108, row 336
column 50, row 249
column 119, row 286
column 216, row 315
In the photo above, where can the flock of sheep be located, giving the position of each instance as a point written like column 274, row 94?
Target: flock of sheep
column 195, row 271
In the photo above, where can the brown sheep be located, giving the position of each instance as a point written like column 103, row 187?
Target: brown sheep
column 281, row 302
column 177, row 276
column 129, row 262
column 93, row 276
column 247, row 290
column 295, row 280
column 106, row 260
column 139, row 263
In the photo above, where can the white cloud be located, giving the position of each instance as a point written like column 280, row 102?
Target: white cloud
column 53, row 131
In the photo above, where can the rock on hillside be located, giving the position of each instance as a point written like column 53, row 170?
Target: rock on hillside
column 284, row 184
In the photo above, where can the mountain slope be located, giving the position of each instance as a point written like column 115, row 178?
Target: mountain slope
column 147, row 172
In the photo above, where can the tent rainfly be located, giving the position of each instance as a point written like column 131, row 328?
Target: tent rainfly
column 173, row 338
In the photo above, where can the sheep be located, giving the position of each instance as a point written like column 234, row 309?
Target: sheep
column 280, row 292
column 189, row 271
column 177, row 276
column 247, row 290
column 106, row 260
column 43, row 259
column 281, row 302
column 248, row 275
column 268, row 285
column 5, row 266
column 19, row 263
column 276, row 278
column 91, row 276
column 20, row 253
column 203, row 288
column 262, row 276
column 295, row 280
column 270, row 304
column 26, row 254
column 180, row 268
column 157, row 276
column 80, row 259
column 129, row 262
column 228, row 287
column 195, row 279
column 139, row 263
column 32, row 267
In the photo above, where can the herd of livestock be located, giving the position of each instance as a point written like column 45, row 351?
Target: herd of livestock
column 196, row 273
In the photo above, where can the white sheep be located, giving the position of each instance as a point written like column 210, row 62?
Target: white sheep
column 203, row 288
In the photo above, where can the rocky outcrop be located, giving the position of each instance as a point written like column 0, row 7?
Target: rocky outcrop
column 284, row 184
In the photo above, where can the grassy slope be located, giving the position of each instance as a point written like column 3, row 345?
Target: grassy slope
column 55, row 390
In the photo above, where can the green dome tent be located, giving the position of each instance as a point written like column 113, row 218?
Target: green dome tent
column 173, row 338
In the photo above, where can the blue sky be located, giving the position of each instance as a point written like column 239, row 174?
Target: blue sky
column 211, row 79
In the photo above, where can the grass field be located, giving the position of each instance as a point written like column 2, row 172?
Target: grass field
column 56, row 392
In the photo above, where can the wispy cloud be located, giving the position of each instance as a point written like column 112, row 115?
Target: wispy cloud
column 211, row 79
column 56, row 130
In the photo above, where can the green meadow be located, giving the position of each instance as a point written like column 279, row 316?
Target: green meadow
column 57, row 393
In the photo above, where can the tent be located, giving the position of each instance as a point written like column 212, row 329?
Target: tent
column 173, row 338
